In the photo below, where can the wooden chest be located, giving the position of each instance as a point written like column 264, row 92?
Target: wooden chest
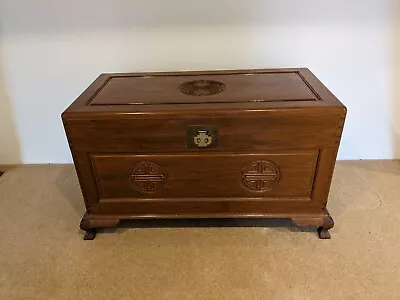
column 220, row 144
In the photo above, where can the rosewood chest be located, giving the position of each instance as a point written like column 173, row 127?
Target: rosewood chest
column 219, row 144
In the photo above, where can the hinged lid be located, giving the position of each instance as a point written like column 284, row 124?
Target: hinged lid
column 249, row 89
column 196, row 89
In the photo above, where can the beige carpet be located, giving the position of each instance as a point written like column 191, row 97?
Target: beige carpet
column 43, row 256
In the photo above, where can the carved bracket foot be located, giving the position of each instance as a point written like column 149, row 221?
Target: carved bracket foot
column 89, row 225
column 327, row 224
column 323, row 223
column 90, row 234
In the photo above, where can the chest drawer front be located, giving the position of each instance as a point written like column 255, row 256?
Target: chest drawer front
column 284, row 174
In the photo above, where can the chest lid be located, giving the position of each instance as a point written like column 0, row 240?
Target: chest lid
column 248, row 89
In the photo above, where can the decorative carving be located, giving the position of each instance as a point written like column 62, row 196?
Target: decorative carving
column 327, row 224
column 323, row 222
column 260, row 176
column 89, row 225
column 147, row 177
column 202, row 87
column 90, row 234
column 85, row 223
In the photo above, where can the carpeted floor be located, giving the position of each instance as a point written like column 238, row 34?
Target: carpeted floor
column 43, row 256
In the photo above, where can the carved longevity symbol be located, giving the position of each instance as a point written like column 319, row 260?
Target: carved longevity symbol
column 202, row 87
column 147, row 177
column 260, row 176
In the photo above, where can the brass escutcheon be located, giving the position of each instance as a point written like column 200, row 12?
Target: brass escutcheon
column 202, row 139
column 202, row 136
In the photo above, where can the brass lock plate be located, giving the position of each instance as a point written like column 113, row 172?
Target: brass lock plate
column 202, row 136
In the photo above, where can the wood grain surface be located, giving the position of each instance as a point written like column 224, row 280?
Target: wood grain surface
column 278, row 133
column 205, row 175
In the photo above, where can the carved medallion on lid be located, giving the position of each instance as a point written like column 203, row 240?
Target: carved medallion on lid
column 147, row 177
column 202, row 87
column 260, row 176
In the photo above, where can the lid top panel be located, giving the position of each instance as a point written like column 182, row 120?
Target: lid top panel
column 181, row 88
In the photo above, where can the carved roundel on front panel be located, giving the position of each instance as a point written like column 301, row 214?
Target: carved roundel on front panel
column 147, row 177
column 202, row 87
column 260, row 176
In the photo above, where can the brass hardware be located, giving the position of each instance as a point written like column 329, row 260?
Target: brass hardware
column 202, row 139
column 202, row 136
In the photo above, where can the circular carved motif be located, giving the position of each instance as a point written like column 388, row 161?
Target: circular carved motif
column 202, row 87
column 260, row 176
column 147, row 177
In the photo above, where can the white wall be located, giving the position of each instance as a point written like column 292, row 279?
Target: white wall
column 51, row 50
